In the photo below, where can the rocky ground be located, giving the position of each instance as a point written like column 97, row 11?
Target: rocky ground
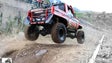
column 103, row 21
column 105, row 53
column 44, row 50
column 19, row 48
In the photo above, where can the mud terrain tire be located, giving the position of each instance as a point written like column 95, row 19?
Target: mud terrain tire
column 58, row 33
column 80, row 36
column 31, row 32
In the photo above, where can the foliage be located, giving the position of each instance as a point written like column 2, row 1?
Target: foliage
column 1, row 15
column 27, row 1
column 12, row 26
column 79, row 14
column 85, row 15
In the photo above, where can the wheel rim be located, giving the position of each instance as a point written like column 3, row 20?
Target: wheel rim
column 82, row 38
column 61, row 33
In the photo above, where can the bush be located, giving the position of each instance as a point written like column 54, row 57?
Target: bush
column 27, row 1
column 1, row 15
column 79, row 14
column 12, row 26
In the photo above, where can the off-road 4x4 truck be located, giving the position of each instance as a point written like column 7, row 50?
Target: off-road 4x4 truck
column 55, row 18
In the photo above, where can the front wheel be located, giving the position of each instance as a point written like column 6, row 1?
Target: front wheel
column 80, row 36
column 31, row 32
column 58, row 33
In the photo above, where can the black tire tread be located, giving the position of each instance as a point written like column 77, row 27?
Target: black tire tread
column 54, row 33
column 79, row 38
column 26, row 32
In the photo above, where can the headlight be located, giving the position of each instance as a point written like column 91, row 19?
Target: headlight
column 43, row 19
column 33, row 19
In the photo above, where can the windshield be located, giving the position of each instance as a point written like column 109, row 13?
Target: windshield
column 54, row 1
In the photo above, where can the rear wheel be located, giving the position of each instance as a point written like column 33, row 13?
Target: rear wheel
column 31, row 32
column 58, row 33
column 80, row 36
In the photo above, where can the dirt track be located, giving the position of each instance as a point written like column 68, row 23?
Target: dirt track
column 18, row 48
column 69, row 52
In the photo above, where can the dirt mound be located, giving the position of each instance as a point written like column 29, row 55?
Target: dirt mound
column 37, row 51
column 19, row 48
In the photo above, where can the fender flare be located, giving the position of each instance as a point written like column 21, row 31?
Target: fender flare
column 49, row 19
column 27, row 21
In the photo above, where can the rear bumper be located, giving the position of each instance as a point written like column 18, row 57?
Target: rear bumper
column 28, row 22
column 47, row 20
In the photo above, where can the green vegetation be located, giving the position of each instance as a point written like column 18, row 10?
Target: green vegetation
column 27, row 1
column 12, row 26
column 85, row 15
column 79, row 14
column 1, row 15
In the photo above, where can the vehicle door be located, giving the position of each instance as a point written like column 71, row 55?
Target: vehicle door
column 73, row 22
